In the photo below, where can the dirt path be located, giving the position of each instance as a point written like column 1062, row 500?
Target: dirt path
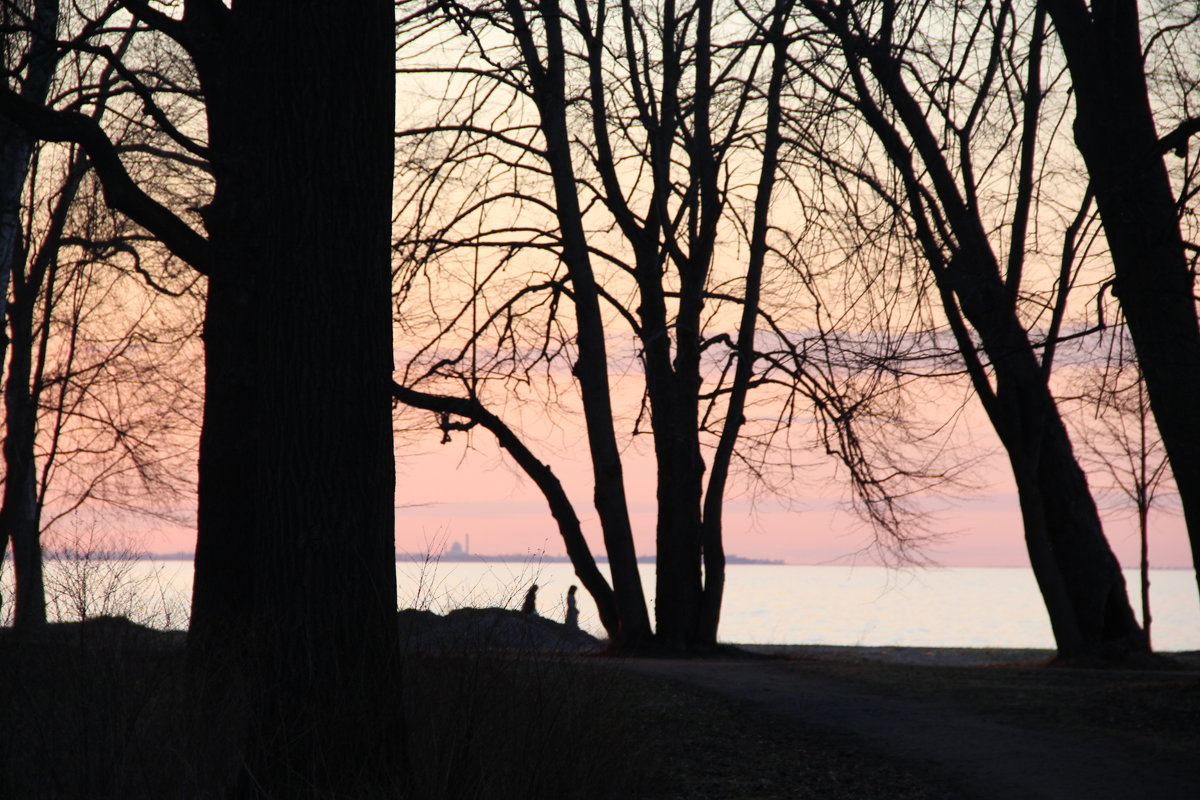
column 981, row 757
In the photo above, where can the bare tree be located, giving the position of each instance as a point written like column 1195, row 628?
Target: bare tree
column 613, row 170
column 290, row 109
column 28, row 61
column 1116, row 129
column 85, row 404
column 100, row 410
column 957, row 108
column 1121, row 443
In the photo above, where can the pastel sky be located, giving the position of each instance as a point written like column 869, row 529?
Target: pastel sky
column 447, row 492
column 468, row 488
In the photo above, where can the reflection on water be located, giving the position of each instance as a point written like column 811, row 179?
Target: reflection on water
column 873, row 606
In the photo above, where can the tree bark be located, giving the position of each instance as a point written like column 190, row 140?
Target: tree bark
column 295, row 590
column 296, row 546
column 1116, row 135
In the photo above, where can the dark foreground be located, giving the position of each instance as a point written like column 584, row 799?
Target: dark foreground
column 103, row 710
column 998, row 732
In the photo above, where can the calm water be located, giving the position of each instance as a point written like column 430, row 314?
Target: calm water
column 874, row 606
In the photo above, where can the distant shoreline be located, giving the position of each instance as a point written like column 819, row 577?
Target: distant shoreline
column 453, row 558
column 522, row 558
column 471, row 558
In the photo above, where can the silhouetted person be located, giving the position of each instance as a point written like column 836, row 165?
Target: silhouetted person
column 572, row 609
column 530, row 604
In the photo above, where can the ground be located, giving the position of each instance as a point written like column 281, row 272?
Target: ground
column 502, row 705
column 961, row 723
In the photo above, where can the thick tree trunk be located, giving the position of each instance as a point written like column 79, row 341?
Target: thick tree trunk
column 1068, row 638
column 671, row 390
column 1080, row 578
column 295, row 552
column 295, row 591
column 1091, row 573
column 679, row 586
column 1116, row 135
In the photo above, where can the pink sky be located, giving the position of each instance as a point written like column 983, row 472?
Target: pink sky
column 441, row 502
column 446, row 493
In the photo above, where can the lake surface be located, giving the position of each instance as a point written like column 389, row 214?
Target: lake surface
column 764, row 604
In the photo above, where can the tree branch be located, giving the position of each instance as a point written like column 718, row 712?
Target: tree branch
column 1177, row 140
column 120, row 191
column 556, row 497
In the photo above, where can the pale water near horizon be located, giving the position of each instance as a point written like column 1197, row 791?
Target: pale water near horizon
column 764, row 604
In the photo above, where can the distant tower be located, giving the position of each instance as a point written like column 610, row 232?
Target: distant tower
column 467, row 548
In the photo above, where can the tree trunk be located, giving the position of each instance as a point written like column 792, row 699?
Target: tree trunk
column 591, row 366
column 20, row 517
column 1091, row 573
column 16, row 144
column 1082, row 583
column 1144, row 563
column 678, row 587
column 21, row 511
column 714, row 498
column 295, row 554
column 1080, row 578
column 295, row 591
column 671, row 390
column 19, row 520
column 1116, row 135
column 1068, row 638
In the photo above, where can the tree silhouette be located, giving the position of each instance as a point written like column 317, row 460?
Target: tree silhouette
column 957, row 115
column 1116, row 130
column 96, row 411
column 614, row 173
column 292, row 114
column 1122, row 444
